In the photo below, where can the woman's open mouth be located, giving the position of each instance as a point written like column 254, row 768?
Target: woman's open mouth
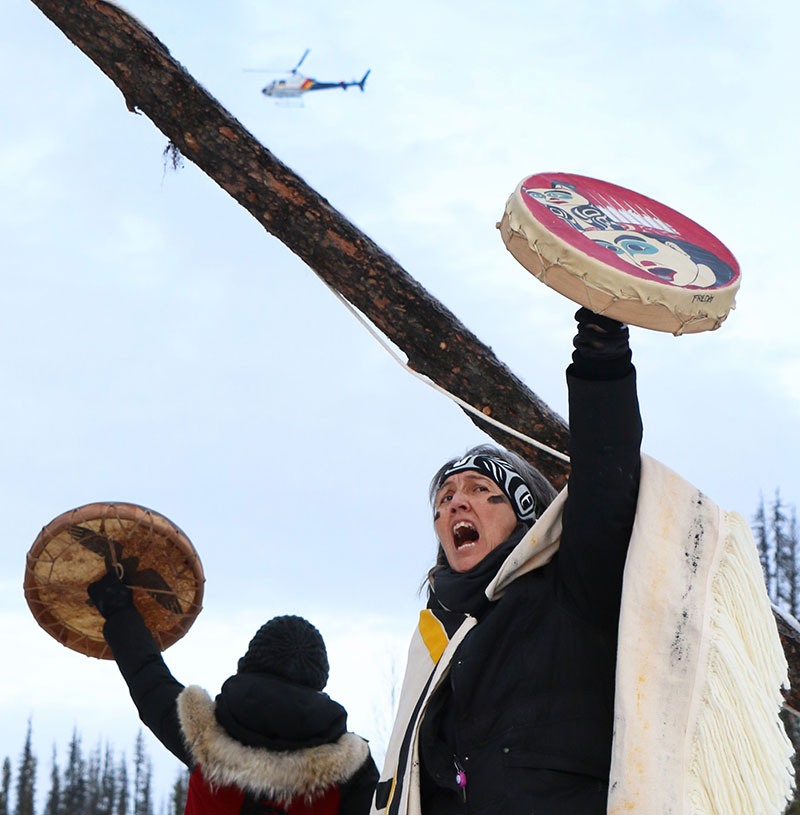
column 464, row 534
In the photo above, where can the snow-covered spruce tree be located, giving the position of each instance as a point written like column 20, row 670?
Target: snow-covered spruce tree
column 179, row 790
column 74, row 791
column 26, row 778
column 766, row 553
column 793, row 542
column 53, row 805
column 142, row 779
column 5, row 786
column 108, row 785
column 785, row 557
column 123, row 794
column 93, row 782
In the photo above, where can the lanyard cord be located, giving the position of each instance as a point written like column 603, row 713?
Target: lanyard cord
column 428, row 381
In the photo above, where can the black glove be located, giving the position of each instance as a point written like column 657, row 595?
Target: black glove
column 599, row 337
column 601, row 348
column 110, row 595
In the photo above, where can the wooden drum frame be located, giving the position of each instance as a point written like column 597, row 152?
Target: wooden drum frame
column 156, row 559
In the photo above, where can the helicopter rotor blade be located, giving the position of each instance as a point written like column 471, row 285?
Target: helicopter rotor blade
column 305, row 54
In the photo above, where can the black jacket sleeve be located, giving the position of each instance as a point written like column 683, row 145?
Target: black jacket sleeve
column 605, row 441
column 153, row 688
column 356, row 793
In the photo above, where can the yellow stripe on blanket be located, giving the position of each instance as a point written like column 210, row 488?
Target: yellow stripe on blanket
column 433, row 634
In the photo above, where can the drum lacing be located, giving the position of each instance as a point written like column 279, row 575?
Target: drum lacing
column 543, row 264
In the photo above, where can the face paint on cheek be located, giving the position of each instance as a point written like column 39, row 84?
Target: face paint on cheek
column 497, row 499
column 436, row 515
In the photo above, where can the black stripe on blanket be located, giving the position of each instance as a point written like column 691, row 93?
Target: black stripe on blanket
column 382, row 793
column 402, row 758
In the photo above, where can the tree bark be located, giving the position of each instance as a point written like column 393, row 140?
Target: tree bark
column 790, row 639
column 433, row 339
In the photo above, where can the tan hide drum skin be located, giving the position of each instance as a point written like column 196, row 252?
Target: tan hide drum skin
column 158, row 561
column 619, row 253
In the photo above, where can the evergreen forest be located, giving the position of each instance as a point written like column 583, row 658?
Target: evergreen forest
column 97, row 782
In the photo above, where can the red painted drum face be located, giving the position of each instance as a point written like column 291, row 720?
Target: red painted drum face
column 620, row 253
column 627, row 228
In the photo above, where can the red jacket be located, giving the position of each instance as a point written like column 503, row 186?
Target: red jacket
column 205, row 799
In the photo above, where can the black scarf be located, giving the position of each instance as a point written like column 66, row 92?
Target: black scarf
column 465, row 592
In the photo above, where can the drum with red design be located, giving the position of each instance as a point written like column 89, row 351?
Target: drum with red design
column 620, row 253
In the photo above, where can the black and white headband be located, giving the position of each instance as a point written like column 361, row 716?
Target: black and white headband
column 507, row 478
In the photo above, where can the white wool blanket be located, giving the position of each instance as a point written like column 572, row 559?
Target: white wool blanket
column 700, row 664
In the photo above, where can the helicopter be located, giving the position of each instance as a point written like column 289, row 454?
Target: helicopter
column 297, row 84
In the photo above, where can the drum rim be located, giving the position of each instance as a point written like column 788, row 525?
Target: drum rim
column 72, row 637
column 689, row 310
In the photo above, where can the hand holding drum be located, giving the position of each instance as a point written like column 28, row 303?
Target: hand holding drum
column 620, row 254
column 144, row 554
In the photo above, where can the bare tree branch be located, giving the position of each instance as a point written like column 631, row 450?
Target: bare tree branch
column 433, row 339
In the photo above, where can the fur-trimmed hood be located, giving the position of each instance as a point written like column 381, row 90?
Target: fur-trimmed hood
column 282, row 774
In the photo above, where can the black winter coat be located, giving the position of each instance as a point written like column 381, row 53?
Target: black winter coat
column 254, row 709
column 527, row 709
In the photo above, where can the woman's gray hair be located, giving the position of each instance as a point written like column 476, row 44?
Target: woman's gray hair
column 541, row 489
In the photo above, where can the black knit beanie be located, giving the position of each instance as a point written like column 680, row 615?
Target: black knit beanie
column 291, row 648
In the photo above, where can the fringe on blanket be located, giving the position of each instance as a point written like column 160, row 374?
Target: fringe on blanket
column 746, row 668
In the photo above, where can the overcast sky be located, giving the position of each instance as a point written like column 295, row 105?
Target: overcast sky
column 159, row 347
